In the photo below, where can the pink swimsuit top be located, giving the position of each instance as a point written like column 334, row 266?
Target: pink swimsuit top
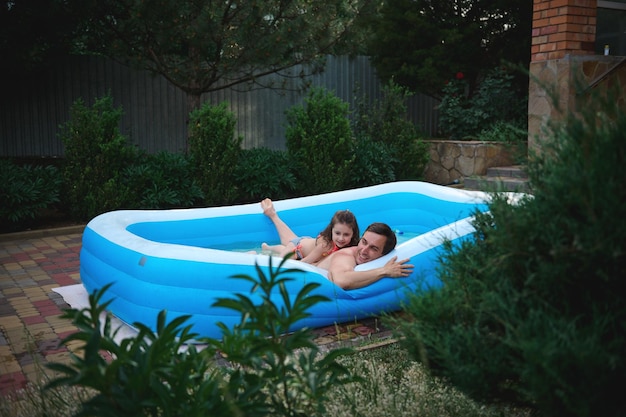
column 335, row 248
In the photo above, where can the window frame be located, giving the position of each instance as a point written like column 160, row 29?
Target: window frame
column 611, row 5
column 616, row 42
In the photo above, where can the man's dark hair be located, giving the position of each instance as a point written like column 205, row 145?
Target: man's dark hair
column 384, row 230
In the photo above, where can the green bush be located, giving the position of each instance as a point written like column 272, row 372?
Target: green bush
column 533, row 309
column 385, row 121
column 25, row 191
column 96, row 154
column 163, row 180
column 463, row 115
column 373, row 164
column 262, row 173
column 270, row 372
column 214, row 151
column 513, row 135
column 319, row 141
column 501, row 131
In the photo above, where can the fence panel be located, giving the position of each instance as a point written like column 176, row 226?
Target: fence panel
column 155, row 112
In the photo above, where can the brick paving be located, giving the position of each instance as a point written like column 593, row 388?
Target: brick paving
column 31, row 330
column 32, row 264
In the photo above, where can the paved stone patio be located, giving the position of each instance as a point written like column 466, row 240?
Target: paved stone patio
column 30, row 327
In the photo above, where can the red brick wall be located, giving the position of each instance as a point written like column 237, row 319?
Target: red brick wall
column 562, row 27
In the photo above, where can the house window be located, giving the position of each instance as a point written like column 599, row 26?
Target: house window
column 611, row 27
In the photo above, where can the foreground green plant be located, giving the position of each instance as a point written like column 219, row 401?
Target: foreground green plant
column 532, row 311
column 149, row 373
column 163, row 373
column 285, row 375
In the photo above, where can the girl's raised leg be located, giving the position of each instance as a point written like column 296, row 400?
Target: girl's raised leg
column 284, row 232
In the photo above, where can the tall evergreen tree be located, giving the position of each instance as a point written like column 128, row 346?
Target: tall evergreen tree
column 202, row 46
column 423, row 43
column 35, row 33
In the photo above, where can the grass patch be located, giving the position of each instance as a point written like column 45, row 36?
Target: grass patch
column 394, row 385
column 33, row 401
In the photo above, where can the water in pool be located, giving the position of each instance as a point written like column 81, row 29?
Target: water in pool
column 256, row 246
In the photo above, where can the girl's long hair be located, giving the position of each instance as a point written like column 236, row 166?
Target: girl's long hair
column 345, row 217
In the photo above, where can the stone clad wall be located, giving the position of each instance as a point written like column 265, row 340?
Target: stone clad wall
column 452, row 160
column 560, row 86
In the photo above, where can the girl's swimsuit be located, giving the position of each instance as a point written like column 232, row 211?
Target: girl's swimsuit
column 298, row 252
column 298, row 247
column 335, row 248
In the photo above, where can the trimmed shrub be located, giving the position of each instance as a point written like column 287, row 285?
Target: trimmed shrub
column 96, row 154
column 319, row 141
column 160, row 181
column 25, row 191
column 532, row 310
column 262, row 173
column 384, row 122
column 214, row 151
column 103, row 172
column 373, row 164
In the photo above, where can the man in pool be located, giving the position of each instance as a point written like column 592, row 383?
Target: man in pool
column 378, row 240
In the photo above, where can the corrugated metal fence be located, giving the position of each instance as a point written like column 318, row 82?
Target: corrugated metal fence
column 155, row 112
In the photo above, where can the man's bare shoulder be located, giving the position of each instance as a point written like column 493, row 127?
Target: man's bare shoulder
column 340, row 256
column 344, row 257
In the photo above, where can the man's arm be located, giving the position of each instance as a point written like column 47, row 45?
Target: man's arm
column 342, row 273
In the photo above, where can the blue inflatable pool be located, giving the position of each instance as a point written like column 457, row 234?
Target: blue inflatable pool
column 183, row 260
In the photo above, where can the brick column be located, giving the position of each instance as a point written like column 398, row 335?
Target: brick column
column 562, row 27
column 563, row 36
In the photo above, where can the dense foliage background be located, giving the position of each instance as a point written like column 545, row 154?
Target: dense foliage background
column 326, row 152
column 422, row 44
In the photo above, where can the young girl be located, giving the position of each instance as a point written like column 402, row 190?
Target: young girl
column 342, row 232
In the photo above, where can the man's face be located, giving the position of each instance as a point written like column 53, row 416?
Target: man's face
column 370, row 247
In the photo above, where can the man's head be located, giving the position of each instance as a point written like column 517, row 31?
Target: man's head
column 377, row 240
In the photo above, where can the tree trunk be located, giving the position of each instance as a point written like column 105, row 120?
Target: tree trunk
column 193, row 103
